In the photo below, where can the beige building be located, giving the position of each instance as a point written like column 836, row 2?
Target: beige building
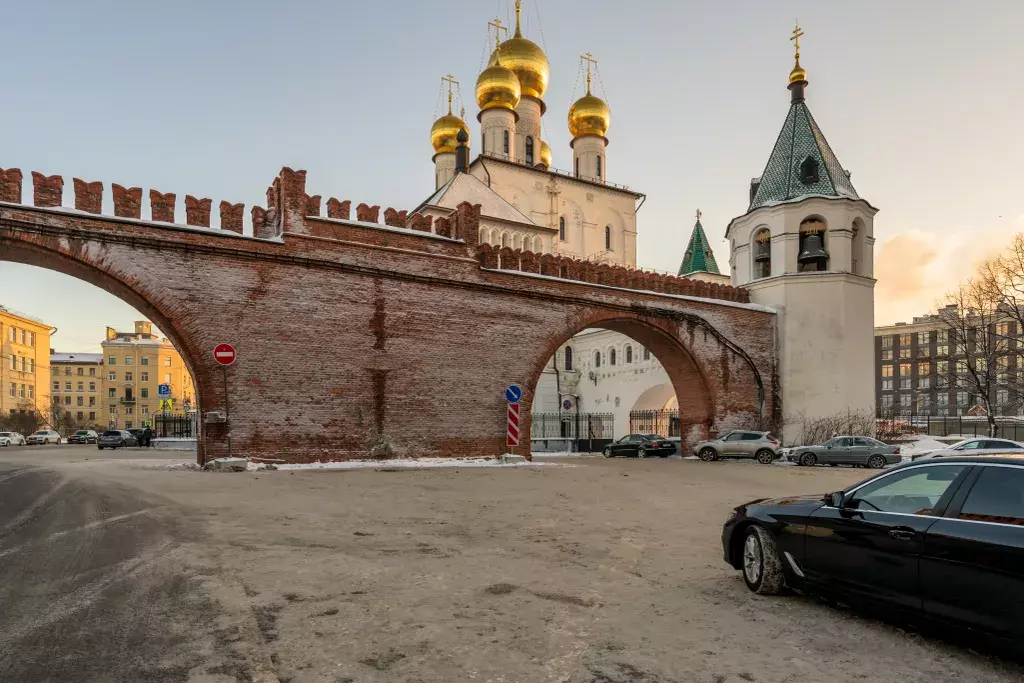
column 135, row 364
column 25, row 370
column 76, row 384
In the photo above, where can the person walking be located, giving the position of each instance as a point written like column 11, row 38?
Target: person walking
column 147, row 437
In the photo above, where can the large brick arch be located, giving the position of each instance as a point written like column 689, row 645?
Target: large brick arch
column 357, row 339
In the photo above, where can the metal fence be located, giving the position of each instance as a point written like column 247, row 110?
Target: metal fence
column 660, row 422
column 894, row 424
column 571, row 432
column 175, row 425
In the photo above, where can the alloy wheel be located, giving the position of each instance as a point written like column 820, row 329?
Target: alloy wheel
column 876, row 462
column 752, row 559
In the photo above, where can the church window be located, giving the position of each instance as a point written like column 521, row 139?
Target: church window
column 629, row 353
column 647, row 354
column 529, row 150
column 561, row 229
column 611, row 357
column 608, row 238
column 506, row 141
column 597, row 359
column 598, row 166
column 568, row 358
column 809, row 171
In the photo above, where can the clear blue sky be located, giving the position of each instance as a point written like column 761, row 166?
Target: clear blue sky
column 922, row 101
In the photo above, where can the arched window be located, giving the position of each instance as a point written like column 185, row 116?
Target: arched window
column 568, row 358
column 598, row 166
column 647, row 354
column 597, row 359
column 506, row 239
column 483, row 235
column 611, row 356
column 529, row 150
column 762, row 254
column 506, row 141
column 629, row 353
column 517, row 241
column 813, row 257
column 561, row 229
column 607, row 238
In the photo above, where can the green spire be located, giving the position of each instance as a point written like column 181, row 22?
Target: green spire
column 699, row 258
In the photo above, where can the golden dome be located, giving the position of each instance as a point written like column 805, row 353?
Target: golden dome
column 444, row 131
column 798, row 73
column 528, row 61
column 589, row 116
column 497, row 87
column 545, row 153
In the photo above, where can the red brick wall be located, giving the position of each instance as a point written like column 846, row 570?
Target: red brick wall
column 355, row 341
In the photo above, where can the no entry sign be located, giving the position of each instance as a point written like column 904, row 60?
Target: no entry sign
column 224, row 354
column 512, row 435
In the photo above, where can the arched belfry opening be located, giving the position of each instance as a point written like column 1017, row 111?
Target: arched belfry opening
column 813, row 256
column 762, row 254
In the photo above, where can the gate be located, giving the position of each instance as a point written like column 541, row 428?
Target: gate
column 571, row 432
column 663, row 423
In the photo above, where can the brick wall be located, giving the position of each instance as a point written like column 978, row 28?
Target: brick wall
column 355, row 341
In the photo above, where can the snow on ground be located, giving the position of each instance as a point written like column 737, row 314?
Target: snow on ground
column 404, row 464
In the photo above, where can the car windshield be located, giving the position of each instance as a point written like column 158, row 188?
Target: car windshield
column 6, row 433
column 111, row 433
column 83, row 432
column 652, row 437
column 41, row 432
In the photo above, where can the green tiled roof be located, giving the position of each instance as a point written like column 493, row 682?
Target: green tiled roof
column 698, row 257
column 801, row 138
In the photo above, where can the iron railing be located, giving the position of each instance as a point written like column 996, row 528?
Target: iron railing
column 660, row 422
column 895, row 423
column 572, row 432
column 175, row 425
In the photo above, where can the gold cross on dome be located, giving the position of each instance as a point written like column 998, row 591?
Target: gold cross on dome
column 796, row 38
column 589, row 59
column 450, row 80
column 498, row 28
column 699, row 214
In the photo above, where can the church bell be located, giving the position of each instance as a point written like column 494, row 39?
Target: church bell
column 764, row 252
column 813, row 250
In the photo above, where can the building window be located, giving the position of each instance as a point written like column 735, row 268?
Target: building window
column 112, row 377
column 529, row 150
column 81, row 386
column 92, row 416
column 608, row 238
column 14, row 390
column 942, row 399
column 647, row 354
column 31, row 390
column 144, row 360
column 924, row 382
column 145, row 409
column 1002, row 397
column 1003, row 329
column 167, row 378
column 145, row 392
column 905, row 339
column 32, row 365
column 941, row 349
column 961, row 399
column 942, row 336
column 112, row 393
column 10, row 334
column 905, row 400
column 905, row 352
column 144, row 376
column 81, row 371
column 128, row 360
column 92, row 386
column 597, row 362
column 905, row 371
column 577, row 167
column 112, row 360
column 56, row 386
column 128, row 410
column 887, row 354
column 92, row 401
column 887, row 401
column 561, row 229
column 611, row 357
column 67, row 386
column 886, row 371
column 567, row 358
column 92, row 372
column 924, row 369
column 128, row 377
column 506, row 141
column 81, row 401
column 886, row 385
column 629, row 353
column 167, row 361
column 67, row 400
column 23, row 343
column 599, row 167
column 113, row 410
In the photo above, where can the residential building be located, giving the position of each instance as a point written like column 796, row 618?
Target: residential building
column 25, row 366
column 76, row 384
column 135, row 364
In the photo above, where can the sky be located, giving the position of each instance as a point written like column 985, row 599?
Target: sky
column 921, row 101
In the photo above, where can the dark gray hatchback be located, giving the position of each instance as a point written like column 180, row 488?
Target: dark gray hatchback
column 115, row 438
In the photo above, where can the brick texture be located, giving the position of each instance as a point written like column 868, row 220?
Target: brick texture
column 127, row 201
column 162, row 206
column 10, row 185
column 357, row 341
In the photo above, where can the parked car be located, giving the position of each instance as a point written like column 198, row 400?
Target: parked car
column 977, row 446
column 847, row 450
column 762, row 446
column 640, row 446
column 83, row 436
column 137, row 433
column 937, row 540
column 43, row 437
column 116, row 438
column 11, row 439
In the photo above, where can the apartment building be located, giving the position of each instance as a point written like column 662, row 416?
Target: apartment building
column 25, row 366
column 76, row 385
column 135, row 364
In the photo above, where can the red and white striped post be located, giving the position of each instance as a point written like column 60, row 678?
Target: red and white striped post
column 512, row 435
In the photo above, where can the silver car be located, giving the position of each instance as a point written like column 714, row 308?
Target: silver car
column 761, row 446
column 43, row 437
column 977, row 446
column 847, row 450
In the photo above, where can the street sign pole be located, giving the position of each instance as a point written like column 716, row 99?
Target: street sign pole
column 513, row 394
column 227, row 410
column 226, row 355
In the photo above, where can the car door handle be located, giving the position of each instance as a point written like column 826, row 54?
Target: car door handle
column 902, row 533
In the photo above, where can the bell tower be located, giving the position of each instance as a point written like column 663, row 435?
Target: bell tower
column 805, row 248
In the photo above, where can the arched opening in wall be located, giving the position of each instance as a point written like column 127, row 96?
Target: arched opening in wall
column 506, row 239
column 105, row 360
column 584, row 401
column 762, row 254
column 813, row 255
column 857, row 248
column 517, row 241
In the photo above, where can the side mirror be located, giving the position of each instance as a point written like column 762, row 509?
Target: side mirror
column 834, row 499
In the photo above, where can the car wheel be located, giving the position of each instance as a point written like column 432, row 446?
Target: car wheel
column 121, row 444
column 100, row 447
column 707, row 454
column 808, row 459
column 762, row 566
column 876, row 462
column 641, row 452
column 607, row 452
column 765, row 457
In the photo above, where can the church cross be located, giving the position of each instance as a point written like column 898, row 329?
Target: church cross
column 796, row 39
column 589, row 59
column 450, row 80
column 699, row 214
column 498, row 28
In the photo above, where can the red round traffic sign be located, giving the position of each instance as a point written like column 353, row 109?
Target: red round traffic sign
column 224, row 354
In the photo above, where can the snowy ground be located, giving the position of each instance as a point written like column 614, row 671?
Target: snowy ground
column 405, row 464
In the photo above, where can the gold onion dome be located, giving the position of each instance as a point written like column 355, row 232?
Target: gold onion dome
column 526, row 59
column 497, row 87
column 444, row 132
column 798, row 73
column 545, row 153
column 589, row 116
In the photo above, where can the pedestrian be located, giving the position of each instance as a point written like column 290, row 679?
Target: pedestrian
column 147, row 437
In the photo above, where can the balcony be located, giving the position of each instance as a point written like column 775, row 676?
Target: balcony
column 127, row 401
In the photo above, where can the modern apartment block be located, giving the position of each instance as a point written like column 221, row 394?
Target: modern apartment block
column 77, row 386
column 25, row 366
column 920, row 369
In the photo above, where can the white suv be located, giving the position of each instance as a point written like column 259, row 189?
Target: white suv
column 44, row 436
column 11, row 439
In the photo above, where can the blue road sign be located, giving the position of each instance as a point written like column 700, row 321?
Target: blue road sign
column 163, row 391
column 513, row 393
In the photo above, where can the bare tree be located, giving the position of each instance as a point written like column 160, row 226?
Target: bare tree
column 1003, row 277
column 973, row 312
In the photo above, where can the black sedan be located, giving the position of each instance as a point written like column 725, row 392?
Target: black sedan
column 938, row 541
column 640, row 446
